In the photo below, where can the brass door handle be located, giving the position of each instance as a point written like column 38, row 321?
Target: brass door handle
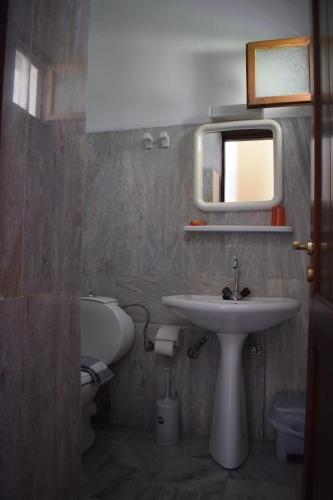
column 307, row 246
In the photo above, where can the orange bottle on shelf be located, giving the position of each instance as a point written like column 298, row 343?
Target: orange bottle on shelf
column 278, row 216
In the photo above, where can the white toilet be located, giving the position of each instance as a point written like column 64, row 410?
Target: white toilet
column 107, row 333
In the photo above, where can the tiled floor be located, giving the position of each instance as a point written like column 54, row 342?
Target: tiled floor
column 126, row 464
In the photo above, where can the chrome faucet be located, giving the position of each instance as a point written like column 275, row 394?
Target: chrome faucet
column 235, row 294
column 227, row 294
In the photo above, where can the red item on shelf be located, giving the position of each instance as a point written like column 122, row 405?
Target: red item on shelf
column 278, row 216
column 198, row 222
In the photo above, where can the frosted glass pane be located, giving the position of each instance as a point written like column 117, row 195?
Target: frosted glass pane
column 21, row 80
column 283, row 71
column 69, row 92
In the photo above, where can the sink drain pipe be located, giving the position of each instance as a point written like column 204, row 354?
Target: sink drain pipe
column 193, row 351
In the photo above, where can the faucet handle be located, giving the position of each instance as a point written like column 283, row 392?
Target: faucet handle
column 245, row 292
column 226, row 293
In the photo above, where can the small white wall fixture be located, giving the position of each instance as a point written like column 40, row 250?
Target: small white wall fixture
column 198, row 193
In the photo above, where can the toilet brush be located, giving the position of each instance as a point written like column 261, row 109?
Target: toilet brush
column 167, row 417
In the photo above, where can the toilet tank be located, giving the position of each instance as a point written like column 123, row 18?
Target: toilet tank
column 107, row 332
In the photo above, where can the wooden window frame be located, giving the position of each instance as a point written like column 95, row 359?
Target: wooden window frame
column 49, row 113
column 271, row 101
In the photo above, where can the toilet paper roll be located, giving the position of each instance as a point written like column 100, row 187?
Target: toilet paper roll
column 166, row 347
column 166, row 340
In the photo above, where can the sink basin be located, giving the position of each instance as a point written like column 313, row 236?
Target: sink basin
column 240, row 316
column 232, row 321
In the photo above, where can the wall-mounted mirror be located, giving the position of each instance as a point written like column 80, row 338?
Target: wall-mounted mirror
column 238, row 165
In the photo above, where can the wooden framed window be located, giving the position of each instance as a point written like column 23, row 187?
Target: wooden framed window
column 278, row 72
column 65, row 92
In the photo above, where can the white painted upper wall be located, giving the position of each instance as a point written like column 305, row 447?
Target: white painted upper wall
column 164, row 62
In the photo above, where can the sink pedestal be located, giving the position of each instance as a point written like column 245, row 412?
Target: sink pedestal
column 229, row 436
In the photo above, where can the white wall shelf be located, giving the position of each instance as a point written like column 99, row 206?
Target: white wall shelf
column 239, row 229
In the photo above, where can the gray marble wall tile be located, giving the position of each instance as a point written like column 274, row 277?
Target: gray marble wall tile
column 13, row 155
column 40, row 402
column 60, row 34
column 137, row 202
column 142, row 373
column 53, row 201
column 53, row 190
column 286, row 346
column 41, row 204
column 12, row 176
column 20, row 14
column 254, row 375
column 296, row 159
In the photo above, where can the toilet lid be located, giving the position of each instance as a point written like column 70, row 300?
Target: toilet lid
column 107, row 332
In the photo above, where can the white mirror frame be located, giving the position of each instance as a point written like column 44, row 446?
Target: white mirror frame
column 198, row 166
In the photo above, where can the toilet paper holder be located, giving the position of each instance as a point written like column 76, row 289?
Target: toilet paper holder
column 167, row 340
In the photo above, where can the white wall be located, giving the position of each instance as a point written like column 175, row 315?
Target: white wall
column 163, row 62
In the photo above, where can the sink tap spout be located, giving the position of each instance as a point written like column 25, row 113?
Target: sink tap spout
column 236, row 295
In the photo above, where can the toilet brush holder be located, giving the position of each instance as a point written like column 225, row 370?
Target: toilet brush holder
column 167, row 417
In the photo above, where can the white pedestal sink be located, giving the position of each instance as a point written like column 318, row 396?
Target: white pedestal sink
column 232, row 321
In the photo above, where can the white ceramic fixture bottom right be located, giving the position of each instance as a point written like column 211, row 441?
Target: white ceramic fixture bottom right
column 232, row 321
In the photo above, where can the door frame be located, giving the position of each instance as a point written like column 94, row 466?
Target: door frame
column 312, row 364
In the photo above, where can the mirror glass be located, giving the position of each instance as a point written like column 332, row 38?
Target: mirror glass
column 238, row 167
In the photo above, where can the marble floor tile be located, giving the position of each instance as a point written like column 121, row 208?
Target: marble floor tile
column 140, row 451
column 193, row 446
column 152, row 492
column 195, row 474
column 131, row 490
column 126, row 464
column 162, row 493
column 107, row 440
column 112, row 481
column 262, row 466
column 252, row 490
